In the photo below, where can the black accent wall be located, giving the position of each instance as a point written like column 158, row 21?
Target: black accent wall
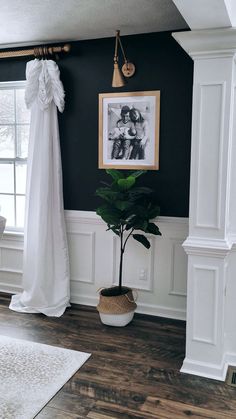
column 162, row 65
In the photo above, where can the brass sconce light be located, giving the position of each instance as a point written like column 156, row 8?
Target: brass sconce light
column 127, row 70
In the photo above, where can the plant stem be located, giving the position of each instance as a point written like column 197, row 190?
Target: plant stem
column 127, row 238
column 122, row 250
column 121, row 258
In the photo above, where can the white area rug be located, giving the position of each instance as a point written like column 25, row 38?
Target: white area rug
column 31, row 374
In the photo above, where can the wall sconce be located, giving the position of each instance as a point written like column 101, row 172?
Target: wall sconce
column 128, row 69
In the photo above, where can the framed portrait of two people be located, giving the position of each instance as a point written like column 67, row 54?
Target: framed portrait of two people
column 129, row 130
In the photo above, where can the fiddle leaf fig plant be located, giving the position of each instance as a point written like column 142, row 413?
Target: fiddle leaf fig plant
column 128, row 210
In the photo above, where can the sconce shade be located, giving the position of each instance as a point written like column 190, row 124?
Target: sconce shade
column 117, row 79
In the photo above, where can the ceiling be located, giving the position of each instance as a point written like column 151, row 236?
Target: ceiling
column 35, row 21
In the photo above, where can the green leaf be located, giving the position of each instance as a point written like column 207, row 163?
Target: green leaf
column 138, row 173
column 142, row 225
column 122, row 205
column 139, row 192
column 153, row 229
column 138, row 223
column 142, row 239
column 130, row 221
column 128, row 226
column 140, row 211
column 115, row 174
column 114, row 229
column 107, row 194
column 109, row 215
column 125, row 184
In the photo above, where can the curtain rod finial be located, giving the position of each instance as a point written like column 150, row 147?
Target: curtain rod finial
column 67, row 48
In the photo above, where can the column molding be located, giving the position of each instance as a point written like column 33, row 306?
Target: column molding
column 212, row 43
column 207, row 247
column 212, row 230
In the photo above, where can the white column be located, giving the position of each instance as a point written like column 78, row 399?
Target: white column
column 212, row 222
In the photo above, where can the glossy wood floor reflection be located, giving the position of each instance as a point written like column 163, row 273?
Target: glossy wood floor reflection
column 133, row 371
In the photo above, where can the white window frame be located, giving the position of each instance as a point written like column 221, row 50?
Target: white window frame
column 20, row 84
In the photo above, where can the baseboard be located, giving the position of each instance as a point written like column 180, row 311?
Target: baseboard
column 160, row 311
column 85, row 300
column 205, row 369
column 10, row 289
column 208, row 370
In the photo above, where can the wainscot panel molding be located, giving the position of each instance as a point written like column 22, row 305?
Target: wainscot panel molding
column 159, row 274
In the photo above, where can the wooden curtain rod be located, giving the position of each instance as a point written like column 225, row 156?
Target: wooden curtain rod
column 37, row 51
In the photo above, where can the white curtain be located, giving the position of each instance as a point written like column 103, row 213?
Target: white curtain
column 46, row 262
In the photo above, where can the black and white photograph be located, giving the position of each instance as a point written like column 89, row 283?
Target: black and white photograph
column 129, row 130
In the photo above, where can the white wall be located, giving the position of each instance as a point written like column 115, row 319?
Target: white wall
column 159, row 274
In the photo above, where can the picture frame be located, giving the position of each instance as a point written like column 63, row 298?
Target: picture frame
column 129, row 124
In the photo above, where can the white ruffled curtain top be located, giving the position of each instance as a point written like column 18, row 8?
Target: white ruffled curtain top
column 46, row 262
column 44, row 84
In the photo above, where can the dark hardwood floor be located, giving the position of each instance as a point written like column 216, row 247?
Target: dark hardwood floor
column 133, row 371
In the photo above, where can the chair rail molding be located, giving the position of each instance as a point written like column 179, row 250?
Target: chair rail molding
column 212, row 221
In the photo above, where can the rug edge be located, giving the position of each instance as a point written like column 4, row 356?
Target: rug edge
column 60, row 386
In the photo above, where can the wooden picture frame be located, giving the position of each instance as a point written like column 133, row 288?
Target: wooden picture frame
column 129, row 130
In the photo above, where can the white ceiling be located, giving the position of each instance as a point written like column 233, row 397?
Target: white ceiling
column 208, row 14
column 43, row 21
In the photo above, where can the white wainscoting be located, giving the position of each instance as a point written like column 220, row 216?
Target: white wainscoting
column 11, row 260
column 159, row 274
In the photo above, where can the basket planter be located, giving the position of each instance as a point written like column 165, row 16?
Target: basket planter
column 116, row 310
column 128, row 211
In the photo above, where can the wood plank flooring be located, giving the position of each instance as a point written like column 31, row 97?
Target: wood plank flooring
column 133, row 372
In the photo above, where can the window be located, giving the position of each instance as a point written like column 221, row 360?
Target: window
column 14, row 135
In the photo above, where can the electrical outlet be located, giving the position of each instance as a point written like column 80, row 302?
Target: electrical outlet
column 143, row 274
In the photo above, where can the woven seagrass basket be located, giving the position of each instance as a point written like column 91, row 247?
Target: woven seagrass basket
column 116, row 310
column 118, row 304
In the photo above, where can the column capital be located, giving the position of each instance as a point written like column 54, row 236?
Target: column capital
column 207, row 247
column 208, row 43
